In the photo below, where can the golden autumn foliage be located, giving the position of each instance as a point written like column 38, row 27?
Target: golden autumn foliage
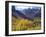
column 25, row 24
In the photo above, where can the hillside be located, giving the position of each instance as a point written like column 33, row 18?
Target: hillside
column 26, row 19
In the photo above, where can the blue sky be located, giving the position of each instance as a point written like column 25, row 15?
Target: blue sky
column 25, row 7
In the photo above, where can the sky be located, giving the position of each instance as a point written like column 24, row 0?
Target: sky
column 24, row 7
